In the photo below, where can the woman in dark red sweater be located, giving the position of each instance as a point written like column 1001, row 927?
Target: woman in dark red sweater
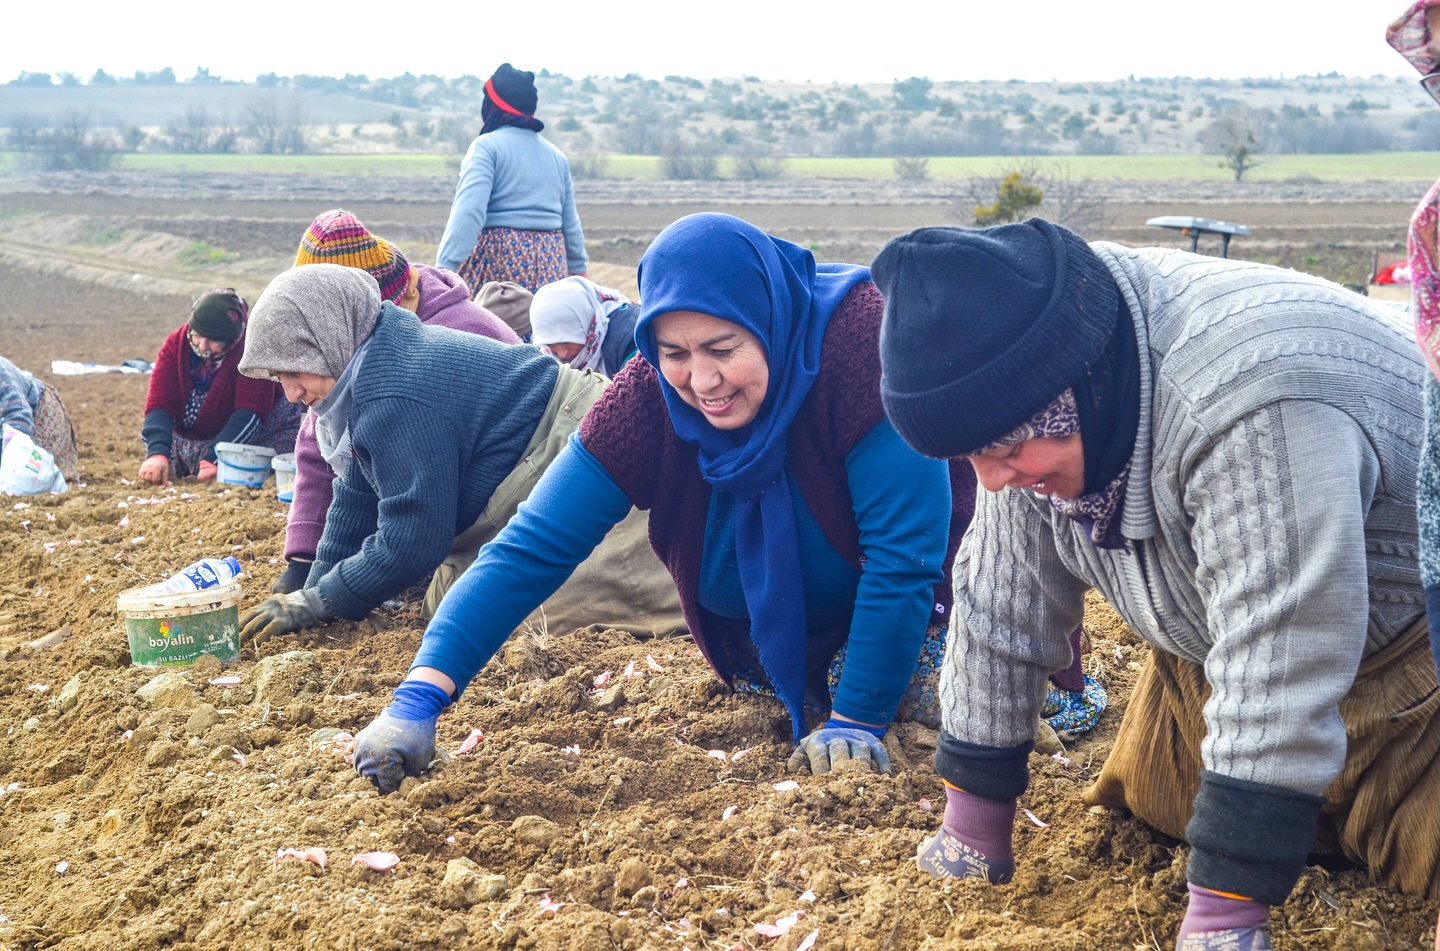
column 198, row 398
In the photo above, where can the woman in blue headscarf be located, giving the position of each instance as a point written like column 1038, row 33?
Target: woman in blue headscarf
column 808, row 543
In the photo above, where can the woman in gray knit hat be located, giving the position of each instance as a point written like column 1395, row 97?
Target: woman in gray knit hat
column 1227, row 452
column 435, row 436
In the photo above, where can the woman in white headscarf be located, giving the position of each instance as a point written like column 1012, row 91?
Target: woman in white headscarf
column 584, row 325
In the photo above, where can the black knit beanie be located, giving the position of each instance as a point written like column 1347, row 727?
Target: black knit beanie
column 983, row 329
column 516, row 88
column 219, row 315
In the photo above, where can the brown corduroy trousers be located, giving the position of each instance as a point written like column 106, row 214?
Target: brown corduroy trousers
column 1381, row 811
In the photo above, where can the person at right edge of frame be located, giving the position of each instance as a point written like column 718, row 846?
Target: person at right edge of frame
column 1415, row 35
column 1227, row 452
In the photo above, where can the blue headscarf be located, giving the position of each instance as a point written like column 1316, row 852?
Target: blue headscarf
column 727, row 268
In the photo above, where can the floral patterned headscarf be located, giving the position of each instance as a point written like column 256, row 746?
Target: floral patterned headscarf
column 1410, row 35
column 1098, row 511
column 1424, row 273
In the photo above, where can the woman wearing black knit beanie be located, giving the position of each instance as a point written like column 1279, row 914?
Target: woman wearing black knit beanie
column 1227, row 452
column 513, row 218
column 198, row 399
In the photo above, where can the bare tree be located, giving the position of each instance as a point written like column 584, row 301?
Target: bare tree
column 1239, row 136
column 681, row 158
column 278, row 125
column 74, row 143
column 226, row 140
column 588, row 163
column 756, row 163
column 191, row 131
column 912, row 168
column 642, row 127
column 24, row 131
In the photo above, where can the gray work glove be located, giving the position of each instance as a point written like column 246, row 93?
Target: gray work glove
column 400, row 742
column 840, row 742
column 282, row 614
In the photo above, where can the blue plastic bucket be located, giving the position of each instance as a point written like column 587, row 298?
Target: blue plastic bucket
column 284, row 466
column 240, row 464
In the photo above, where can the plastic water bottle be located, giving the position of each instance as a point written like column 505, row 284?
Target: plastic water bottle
column 205, row 573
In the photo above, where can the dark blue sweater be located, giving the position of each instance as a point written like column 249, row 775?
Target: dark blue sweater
column 439, row 419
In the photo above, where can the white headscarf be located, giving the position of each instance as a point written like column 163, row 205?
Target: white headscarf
column 575, row 310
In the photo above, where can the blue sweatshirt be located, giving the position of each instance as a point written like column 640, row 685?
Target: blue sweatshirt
column 896, row 495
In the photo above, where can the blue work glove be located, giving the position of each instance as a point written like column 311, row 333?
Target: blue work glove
column 400, row 742
column 974, row 841
column 1216, row 922
column 841, row 741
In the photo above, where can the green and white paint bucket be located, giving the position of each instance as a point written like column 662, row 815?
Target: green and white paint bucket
column 171, row 630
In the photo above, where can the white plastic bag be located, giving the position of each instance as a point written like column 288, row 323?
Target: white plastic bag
column 25, row 468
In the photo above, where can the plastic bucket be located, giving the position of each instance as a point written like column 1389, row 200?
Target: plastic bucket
column 171, row 630
column 284, row 466
column 240, row 464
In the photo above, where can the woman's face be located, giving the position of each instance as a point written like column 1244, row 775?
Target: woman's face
column 564, row 352
column 205, row 348
column 716, row 366
column 1047, row 465
column 307, row 388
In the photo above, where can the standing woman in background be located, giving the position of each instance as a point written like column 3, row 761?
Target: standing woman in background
column 514, row 217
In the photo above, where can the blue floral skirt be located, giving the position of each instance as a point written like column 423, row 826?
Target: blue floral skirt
column 1064, row 710
column 531, row 259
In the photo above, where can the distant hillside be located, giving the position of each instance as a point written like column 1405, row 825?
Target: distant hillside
column 692, row 122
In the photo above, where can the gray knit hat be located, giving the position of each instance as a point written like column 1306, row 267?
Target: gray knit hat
column 311, row 319
column 508, row 301
column 983, row 329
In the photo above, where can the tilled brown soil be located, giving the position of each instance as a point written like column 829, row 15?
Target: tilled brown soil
column 642, row 816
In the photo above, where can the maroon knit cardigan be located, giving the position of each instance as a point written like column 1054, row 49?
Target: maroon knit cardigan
column 170, row 386
column 628, row 430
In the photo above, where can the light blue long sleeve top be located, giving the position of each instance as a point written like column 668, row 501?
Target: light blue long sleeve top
column 20, row 394
column 512, row 178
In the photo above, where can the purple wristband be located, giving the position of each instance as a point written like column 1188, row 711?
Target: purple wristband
column 1209, row 912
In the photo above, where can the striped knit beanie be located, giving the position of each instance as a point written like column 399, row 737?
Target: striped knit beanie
column 338, row 237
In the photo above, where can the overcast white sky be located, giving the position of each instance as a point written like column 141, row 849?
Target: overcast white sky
column 797, row 40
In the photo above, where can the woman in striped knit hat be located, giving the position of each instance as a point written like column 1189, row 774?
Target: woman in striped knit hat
column 514, row 217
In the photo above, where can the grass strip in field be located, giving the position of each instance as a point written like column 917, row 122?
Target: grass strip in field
column 1358, row 167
